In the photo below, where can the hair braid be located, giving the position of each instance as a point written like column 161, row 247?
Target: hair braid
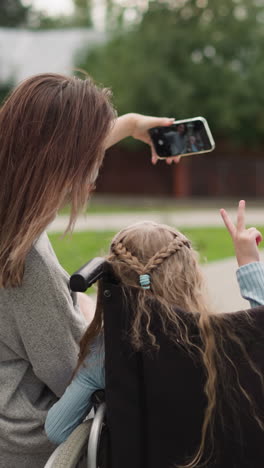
column 124, row 255
column 173, row 247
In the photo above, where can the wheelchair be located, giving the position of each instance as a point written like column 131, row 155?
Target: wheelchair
column 151, row 412
column 88, row 445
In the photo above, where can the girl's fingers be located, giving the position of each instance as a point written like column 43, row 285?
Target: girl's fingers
column 257, row 235
column 228, row 223
column 259, row 239
column 241, row 216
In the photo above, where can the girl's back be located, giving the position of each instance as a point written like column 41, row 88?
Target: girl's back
column 157, row 407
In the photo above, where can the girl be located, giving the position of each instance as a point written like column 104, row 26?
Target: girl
column 155, row 263
column 54, row 131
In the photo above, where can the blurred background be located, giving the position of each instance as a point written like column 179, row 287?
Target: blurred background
column 175, row 58
column 172, row 58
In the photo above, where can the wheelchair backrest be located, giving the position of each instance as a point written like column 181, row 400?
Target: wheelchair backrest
column 156, row 402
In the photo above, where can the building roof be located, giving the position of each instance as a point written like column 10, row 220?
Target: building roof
column 24, row 53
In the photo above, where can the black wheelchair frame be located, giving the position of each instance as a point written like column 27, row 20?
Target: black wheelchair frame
column 87, row 446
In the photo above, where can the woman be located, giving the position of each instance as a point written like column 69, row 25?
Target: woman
column 157, row 266
column 54, row 131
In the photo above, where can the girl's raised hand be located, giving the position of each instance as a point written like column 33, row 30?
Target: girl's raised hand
column 245, row 240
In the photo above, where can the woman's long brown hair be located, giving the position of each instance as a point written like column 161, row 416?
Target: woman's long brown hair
column 177, row 282
column 52, row 134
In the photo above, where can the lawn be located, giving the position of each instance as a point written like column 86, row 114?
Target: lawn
column 76, row 249
column 73, row 251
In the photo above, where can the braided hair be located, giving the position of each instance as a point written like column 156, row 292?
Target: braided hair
column 124, row 255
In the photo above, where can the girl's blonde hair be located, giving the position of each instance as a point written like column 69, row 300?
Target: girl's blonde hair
column 176, row 282
column 52, row 136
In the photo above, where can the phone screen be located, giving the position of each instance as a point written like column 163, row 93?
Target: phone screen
column 182, row 138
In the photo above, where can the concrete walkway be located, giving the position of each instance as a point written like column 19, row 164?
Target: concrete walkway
column 223, row 287
column 220, row 275
column 115, row 222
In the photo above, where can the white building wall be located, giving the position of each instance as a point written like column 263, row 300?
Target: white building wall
column 24, row 53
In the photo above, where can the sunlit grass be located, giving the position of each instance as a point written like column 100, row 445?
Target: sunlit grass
column 213, row 243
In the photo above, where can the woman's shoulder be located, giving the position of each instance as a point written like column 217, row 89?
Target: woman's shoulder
column 44, row 278
column 41, row 262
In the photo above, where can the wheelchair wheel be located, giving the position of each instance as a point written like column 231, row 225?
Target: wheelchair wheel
column 103, row 453
column 73, row 452
column 86, row 447
column 97, row 456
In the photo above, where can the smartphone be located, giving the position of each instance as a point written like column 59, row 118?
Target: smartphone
column 183, row 137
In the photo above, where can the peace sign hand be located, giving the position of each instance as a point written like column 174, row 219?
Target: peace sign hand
column 245, row 240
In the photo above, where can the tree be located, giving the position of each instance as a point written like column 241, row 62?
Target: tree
column 82, row 14
column 5, row 88
column 13, row 13
column 187, row 58
column 81, row 17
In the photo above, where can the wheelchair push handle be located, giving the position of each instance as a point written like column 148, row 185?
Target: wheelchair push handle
column 87, row 275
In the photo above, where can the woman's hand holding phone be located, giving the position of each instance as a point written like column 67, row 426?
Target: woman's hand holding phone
column 182, row 138
column 142, row 125
column 245, row 241
column 138, row 126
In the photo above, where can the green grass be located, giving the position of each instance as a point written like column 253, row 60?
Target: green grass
column 212, row 243
column 73, row 251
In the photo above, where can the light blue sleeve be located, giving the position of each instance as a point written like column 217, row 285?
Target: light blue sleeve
column 251, row 282
column 75, row 404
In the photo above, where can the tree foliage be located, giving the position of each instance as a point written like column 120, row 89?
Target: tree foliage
column 81, row 17
column 13, row 13
column 82, row 14
column 5, row 88
column 185, row 58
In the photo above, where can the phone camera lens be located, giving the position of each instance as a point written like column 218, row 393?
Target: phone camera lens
column 160, row 142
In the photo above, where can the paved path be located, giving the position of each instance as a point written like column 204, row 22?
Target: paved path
column 223, row 287
column 97, row 222
column 221, row 278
